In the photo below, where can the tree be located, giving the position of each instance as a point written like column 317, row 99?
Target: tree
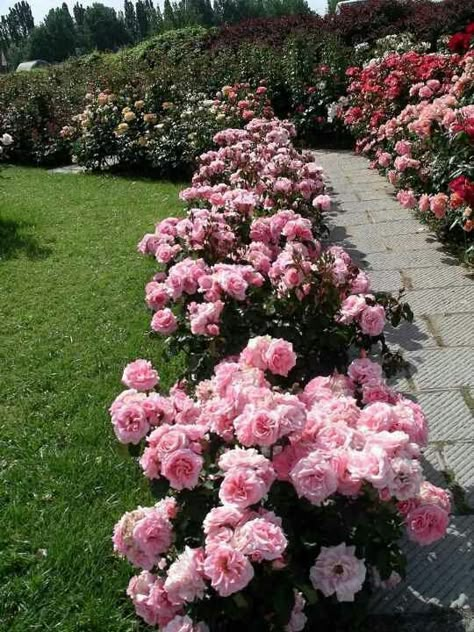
column 20, row 21
column 79, row 14
column 130, row 20
column 169, row 21
column 15, row 28
column 103, row 28
column 158, row 25
column 55, row 39
column 143, row 26
column 155, row 21
column 332, row 5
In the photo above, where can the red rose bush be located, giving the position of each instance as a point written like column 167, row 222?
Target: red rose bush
column 413, row 114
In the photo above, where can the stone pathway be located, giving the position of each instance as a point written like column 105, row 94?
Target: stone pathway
column 398, row 251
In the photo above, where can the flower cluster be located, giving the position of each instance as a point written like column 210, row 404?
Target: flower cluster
column 461, row 42
column 6, row 140
column 417, row 124
column 246, row 258
column 157, row 131
column 263, row 487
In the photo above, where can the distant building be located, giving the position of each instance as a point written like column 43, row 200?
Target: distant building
column 347, row 3
column 27, row 66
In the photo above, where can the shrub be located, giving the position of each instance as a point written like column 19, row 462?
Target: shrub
column 160, row 130
column 278, row 509
column 33, row 110
column 229, row 273
column 414, row 115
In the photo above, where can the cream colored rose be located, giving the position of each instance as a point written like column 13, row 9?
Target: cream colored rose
column 121, row 129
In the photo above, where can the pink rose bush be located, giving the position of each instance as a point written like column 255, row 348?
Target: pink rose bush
column 413, row 114
column 247, row 258
column 275, row 504
column 282, row 466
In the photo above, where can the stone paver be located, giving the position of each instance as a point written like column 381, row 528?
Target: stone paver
column 398, row 251
column 69, row 169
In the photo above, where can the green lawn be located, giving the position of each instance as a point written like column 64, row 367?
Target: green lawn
column 72, row 314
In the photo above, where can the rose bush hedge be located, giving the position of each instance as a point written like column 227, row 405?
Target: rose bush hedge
column 413, row 114
column 158, row 131
column 284, row 485
column 287, row 53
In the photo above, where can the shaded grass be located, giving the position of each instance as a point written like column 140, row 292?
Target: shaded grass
column 71, row 314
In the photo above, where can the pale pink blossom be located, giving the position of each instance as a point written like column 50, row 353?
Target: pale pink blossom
column 164, row 322
column 228, row 570
column 338, row 571
column 140, row 375
column 427, row 524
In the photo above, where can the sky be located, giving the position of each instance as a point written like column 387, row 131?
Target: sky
column 41, row 7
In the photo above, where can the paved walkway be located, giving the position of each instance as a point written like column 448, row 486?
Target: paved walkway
column 398, row 251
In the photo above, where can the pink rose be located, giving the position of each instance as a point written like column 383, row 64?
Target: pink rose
column 184, row 581
column 234, row 285
column 156, row 295
column 153, row 534
column 351, row 308
column 222, row 516
column 425, row 92
column 143, row 535
column 426, row 524
column 164, row 322
column 323, row 202
column 372, row 320
column 158, row 600
column 406, row 198
column 314, row 477
column 298, row 619
column 361, row 284
column 254, row 353
column 184, row 624
column 439, row 204
column 138, row 590
column 256, row 426
column 432, row 495
column 140, row 375
column 384, row 159
column 337, row 570
column 182, row 468
column 403, row 148
column 364, row 370
column 242, row 487
column 260, row 539
column 392, row 177
column 130, row 423
column 283, row 185
column 228, row 570
column 424, row 203
column 377, row 417
column 280, row 357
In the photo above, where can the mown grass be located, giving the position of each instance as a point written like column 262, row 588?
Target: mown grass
column 71, row 315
